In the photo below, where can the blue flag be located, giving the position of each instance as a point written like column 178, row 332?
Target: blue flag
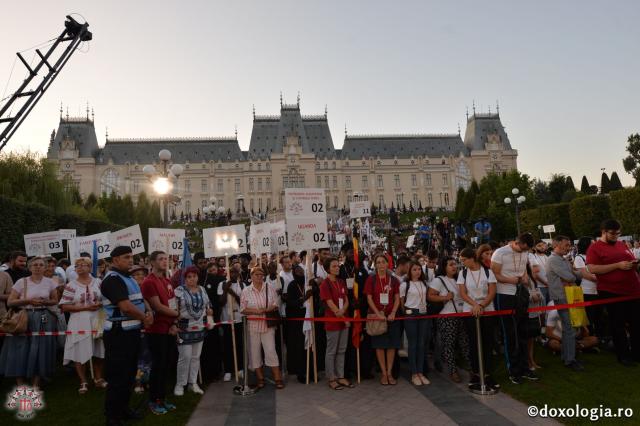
column 186, row 258
column 94, row 260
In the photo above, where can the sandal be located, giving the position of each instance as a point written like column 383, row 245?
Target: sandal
column 344, row 382
column 100, row 383
column 279, row 384
column 392, row 381
column 335, row 385
column 384, row 380
column 84, row 388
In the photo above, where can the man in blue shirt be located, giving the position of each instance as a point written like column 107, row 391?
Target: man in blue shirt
column 483, row 230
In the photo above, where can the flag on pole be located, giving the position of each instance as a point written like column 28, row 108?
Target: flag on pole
column 94, row 259
column 356, row 258
column 186, row 258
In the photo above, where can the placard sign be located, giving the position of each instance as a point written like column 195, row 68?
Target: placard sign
column 67, row 234
column 305, row 202
column 307, row 233
column 167, row 240
column 547, row 229
column 224, row 241
column 43, row 243
column 279, row 236
column 359, row 209
column 260, row 238
column 85, row 245
column 129, row 237
column 410, row 241
column 340, row 238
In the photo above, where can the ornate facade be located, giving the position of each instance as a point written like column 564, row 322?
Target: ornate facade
column 288, row 150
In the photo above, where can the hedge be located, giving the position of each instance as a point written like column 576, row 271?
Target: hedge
column 625, row 207
column 587, row 213
column 550, row 214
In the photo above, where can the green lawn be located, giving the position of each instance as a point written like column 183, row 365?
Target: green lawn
column 604, row 381
column 64, row 406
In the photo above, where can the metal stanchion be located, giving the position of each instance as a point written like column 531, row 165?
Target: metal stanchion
column 244, row 389
column 483, row 389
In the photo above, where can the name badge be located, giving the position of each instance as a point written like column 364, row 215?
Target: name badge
column 340, row 303
column 172, row 304
column 350, row 283
column 384, row 298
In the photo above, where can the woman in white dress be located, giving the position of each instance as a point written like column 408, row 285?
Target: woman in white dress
column 83, row 300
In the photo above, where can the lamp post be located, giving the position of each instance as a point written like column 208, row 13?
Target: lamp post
column 163, row 180
column 211, row 211
column 516, row 200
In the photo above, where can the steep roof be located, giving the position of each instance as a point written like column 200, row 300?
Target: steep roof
column 80, row 130
column 402, row 146
column 481, row 125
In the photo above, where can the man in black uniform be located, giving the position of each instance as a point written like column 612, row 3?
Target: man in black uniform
column 125, row 316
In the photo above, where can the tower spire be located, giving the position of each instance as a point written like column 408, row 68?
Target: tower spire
column 325, row 111
column 345, row 130
column 236, row 131
column 458, row 128
column 67, row 113
column 489, row 109
column 497, row 107
column 474, row 108
column 87, row 110
column 106, row 133
column 254, row 111
column 298, row 100
column 467, row 112
column 60, row 110
column 93, row 115
column 281, row 99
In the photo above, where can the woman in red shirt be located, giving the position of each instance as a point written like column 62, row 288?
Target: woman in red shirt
column 382, row 289
column 333, row 293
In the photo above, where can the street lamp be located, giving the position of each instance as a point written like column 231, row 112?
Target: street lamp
column 516, row 200
column 211, row 211
column 163, row 180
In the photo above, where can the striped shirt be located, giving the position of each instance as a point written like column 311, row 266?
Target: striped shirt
column 252, row 298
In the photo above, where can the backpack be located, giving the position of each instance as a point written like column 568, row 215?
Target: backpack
column 464, row 272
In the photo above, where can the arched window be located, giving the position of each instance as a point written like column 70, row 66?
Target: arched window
column 463, row 176
column 109, row 182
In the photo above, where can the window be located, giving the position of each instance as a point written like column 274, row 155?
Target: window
column 349, row 198
column 335, row 202
column 335, row 182
column 187, row 185
column 259, row 166
column 326, row 165
column 318, row 181
column 445, row 179
column 136, row 186
column 251, row 184
column 259, row 184
column 327, row 201
column 109, row 182
column 428, row 179
column 398, row 200
column 293, row 181
column 365, row 182
column 187, row 206
column 347, row 182
column 430, row 200
column 381, row 200
column 268, row 204
column 396, row 180
column 203, row 185
column 259, row 204
column 446, row 198
column 463, row 177
column 415, row 201
column 414, row 180
column 237, row 185
column 380, row 181
column 220, row 185
column 280, row 202
column 333, row 165
column 326, row 182
column 204, row 203
column 268, row 182
column 251, row 204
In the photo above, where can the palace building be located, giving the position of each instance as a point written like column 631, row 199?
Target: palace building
column 288, row 150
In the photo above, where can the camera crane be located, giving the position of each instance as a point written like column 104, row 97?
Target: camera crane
column 74, row 33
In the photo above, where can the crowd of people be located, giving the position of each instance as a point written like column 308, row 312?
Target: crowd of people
column 151, row 319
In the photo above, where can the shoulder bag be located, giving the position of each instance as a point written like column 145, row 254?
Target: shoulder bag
column 16, row 320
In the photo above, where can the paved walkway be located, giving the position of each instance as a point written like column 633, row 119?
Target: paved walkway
column 441, row 403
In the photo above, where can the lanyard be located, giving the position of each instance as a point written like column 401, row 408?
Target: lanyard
column 421, row 291
column 383, row 288
column 517, row 267
column 476, row 281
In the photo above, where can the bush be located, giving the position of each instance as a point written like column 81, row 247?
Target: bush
column 550, row 214
column 587, row 213
column 625, row 207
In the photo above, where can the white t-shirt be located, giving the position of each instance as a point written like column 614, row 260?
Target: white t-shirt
column 477, row 284
column 636, row 252
column 287, row 277
column 514, row 264
column 277, row 286
column 416, row 295
column 451, row 286
column 588, row 287
column 554, row 322
column 224, row 313
column 540, row 260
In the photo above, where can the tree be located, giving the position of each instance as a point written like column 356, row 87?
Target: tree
column 604, row 183
column 585, row 188
column 91, row 201
column 587, row 213
column 569, row 184
column 614, row 183
column 460, row 202
column 632, row 162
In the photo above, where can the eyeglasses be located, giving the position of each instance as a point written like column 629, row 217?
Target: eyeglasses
column 614, row 232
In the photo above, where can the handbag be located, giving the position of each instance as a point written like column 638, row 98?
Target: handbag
column 273, row 317
column 577, row 315
column 16, row 320
column 375, row 325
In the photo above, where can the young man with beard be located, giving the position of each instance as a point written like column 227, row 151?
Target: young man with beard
column 616, row 270
column 509, row 265
column 538, row 259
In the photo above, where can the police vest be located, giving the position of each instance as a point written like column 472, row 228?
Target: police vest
column 135, row 297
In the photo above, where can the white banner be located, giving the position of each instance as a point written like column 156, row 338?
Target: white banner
column 340, row 238
column 85, row 245
column 224, row 241
column 129, row 237
column 410, row 241
column 306, row 234
column 305, row 202
column 359, row 209
column 279, row 236
column 43, row 243
column 167, row 240
column 260, row 238
column 547, row 229
column 67, row 234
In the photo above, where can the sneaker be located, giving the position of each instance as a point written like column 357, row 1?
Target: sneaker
column 157, row 408
column 168, row 406
column 530, row 375
column 227, row 377
column 491, row 383
column 474, row 379
column 575, row 366
column 196, row 389
column 178, row 390
column 516, row 380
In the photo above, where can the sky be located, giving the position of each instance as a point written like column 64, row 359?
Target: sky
column 565, row 74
